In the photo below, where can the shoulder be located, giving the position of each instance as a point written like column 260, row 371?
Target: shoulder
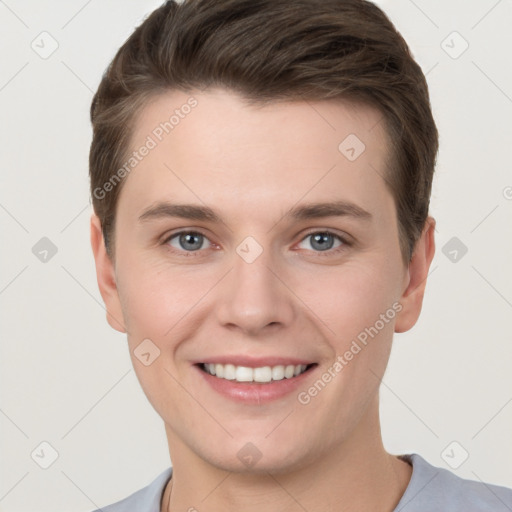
column 146, row 499
column 434, row 488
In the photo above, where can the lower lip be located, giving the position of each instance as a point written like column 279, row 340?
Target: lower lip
column 255, row 392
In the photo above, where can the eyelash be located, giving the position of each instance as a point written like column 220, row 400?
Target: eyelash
column 188, row 254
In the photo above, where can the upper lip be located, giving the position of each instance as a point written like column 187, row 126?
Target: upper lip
column 254, row 362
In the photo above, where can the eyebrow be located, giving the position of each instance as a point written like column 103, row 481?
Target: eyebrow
column 166, row 209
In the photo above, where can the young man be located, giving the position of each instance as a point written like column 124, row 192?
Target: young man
column 261, row 174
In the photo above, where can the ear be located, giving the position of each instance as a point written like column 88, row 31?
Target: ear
column 416, row 278
column 105, row 275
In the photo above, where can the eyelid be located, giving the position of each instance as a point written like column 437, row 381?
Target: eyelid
column 346, row 242
column 344, row 237
column 167, row 236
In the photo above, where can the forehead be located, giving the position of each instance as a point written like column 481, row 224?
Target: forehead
column 213, row 147
column 215, row 112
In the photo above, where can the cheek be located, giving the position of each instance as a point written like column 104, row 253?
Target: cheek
column 156, row 299
column 351, row 298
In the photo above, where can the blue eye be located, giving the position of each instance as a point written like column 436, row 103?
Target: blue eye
column 322, row 241
column 189, row 241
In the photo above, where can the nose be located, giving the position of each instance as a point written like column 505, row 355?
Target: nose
column 254, row 297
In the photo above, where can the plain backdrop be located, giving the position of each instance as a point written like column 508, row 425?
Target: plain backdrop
column 70, row 398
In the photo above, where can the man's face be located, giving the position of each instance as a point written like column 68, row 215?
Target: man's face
column 261, row 283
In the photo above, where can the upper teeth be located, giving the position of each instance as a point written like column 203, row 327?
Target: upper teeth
column 261, row 374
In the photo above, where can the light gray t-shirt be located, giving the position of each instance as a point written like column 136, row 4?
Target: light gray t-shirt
column 431, row 489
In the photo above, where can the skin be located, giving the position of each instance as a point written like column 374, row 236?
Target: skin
column 252, row 165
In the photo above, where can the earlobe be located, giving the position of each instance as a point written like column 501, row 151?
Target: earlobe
column 412, row 296
column 105, row 275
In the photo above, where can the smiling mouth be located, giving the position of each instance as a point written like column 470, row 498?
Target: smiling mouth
column 263, row 374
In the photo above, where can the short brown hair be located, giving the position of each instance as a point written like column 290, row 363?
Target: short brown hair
column 268, row 50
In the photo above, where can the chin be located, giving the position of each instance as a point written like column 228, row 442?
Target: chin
column 258, row 457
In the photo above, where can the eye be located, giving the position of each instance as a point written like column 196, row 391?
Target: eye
column 188, row 241
column 322, row 241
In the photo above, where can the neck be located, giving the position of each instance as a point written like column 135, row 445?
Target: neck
column 358, row 474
